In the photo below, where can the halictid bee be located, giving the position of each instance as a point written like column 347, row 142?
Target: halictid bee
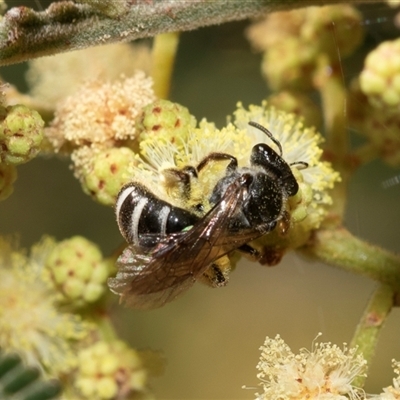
column 170, row 247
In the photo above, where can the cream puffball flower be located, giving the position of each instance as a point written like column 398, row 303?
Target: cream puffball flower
column 324, row 373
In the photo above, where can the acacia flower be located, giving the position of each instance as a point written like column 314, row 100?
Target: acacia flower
column 392, row 392
column 100, row 112
column 30, row 322
column 325, row 373
column 300, row 144
column 168, row 149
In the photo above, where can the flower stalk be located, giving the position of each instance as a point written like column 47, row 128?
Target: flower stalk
column 164, row 51
column 333, row 95
column 340, row 248
column 367, row 333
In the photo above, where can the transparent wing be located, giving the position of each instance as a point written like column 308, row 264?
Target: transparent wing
column 149, row 280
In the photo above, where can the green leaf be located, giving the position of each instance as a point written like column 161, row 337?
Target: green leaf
column 21, row 382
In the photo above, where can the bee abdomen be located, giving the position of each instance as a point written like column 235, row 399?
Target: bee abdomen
column 141, row 214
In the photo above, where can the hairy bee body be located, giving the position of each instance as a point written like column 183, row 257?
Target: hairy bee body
column 171, row 247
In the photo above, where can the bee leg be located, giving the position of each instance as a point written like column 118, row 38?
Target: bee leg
column 249, row 252
column 179, row 179
column 267, row 255
column 217, row 274
column 232, row 166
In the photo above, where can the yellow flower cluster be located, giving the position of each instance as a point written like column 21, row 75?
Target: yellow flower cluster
column 300, row 144
column 30, row 321
column 110, row 371
column 39, row 319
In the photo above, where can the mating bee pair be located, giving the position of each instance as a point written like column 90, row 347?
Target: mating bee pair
column 171, row 247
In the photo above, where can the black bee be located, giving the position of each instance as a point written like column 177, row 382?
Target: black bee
column 171, row 247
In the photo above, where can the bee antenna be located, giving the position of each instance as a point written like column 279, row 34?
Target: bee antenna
column 268, row 133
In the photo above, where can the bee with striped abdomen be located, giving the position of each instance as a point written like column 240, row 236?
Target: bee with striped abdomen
column 171, row 247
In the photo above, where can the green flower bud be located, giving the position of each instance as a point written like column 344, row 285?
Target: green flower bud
column 8, row 175
column 164, row 117
column 21, row 133
column 77, row 270
column 102, row 173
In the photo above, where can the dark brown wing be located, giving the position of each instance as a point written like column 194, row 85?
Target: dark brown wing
column 149, row 280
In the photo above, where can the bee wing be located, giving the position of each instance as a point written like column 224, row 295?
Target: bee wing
column 149, row 280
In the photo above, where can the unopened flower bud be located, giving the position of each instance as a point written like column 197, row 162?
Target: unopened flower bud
column 77, row 270
column 380, row 78
column 110, row 371
column 21, row 133
column 103, row 172
column 164, row 116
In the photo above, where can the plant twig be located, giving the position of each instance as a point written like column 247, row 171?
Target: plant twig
column 333, row 95
column 367, row 333
column 340, row 248
column 66, row 26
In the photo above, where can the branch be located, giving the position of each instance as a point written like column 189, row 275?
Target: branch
column 66, row 26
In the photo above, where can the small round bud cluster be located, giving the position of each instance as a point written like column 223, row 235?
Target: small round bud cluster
column 298, row 104
column 102, row 172
column 8, row 175
column 380, row 126
column 336, row 30
column 289, row 65
column 380, row 78
column 293, row 40
column 166, row 119
column 21, row 133
column 77, row 270
column 32, row 323
column 110, row 371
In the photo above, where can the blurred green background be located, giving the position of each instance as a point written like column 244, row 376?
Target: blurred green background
column 211, row 338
